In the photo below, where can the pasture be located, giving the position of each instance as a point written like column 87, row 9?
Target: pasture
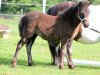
column 41, row 56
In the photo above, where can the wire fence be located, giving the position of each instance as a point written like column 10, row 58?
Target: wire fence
column 26, row 4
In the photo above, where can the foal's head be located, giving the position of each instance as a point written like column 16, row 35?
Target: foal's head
column 83, row 12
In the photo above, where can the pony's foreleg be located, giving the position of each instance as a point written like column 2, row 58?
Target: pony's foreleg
column 69, row 53
column 69, row 48
column 19, row 46
column 28, row 47
column 61, row 53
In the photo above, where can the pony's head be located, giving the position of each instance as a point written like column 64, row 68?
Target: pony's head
column 83, row 12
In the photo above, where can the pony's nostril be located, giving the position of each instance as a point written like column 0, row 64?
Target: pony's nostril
column 86, row 26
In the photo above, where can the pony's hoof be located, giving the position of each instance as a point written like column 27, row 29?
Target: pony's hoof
column 61, row 67
column 14, row 63
column 30, row 64
column 71, row 66
column 54, row 64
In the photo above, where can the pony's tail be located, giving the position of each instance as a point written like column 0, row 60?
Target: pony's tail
column 22, row 25
column 52, row 11
column 49, row 11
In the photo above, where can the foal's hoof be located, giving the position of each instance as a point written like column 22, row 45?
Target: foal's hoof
column 61, row 67
column 54, row 64
column 31, row 64
column 14, row 63
column 71, row 66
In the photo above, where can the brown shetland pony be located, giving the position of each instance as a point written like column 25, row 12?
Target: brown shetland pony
column 62, row 28
column 54, row 11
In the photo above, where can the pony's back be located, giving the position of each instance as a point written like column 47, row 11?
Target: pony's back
column 59, row 8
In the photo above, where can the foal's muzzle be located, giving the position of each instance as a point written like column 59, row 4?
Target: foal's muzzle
column 85, row 22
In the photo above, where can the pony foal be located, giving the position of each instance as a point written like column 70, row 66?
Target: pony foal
column 62, row 28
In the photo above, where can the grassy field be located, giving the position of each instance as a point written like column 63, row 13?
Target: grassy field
column 41, row 56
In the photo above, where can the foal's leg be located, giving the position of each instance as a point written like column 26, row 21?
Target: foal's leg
column 54, row 47
column 61, row 53
column 19, row 46
column 28, row 47
column 69, row 52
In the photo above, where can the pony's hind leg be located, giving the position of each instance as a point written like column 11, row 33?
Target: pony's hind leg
column 28, row 47
column 19, row 46
column 54, row 47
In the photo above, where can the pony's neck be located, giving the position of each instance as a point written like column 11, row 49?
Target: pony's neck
column 71, row 15
column 74, row 20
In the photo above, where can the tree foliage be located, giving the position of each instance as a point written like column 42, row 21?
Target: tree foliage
column 19, row 9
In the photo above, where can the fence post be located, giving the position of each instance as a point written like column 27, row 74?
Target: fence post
column 44, row 5
column 0, row 4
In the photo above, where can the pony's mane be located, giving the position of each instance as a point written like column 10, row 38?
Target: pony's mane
column 73, row 9
column 69, row 11
column 63, row 4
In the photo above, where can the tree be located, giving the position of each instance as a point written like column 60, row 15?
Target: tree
column 16, row 9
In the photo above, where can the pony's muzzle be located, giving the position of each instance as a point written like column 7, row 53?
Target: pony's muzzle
column 86, row 25
column 85, row 22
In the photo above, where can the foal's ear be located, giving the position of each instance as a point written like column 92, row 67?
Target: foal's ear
column 84, row 3
column 80, row 4
column 90, row 2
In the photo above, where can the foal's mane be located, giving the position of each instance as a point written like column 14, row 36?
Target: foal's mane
column 73, row 9
column 69, row 11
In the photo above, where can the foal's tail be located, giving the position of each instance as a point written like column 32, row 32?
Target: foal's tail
column 52, row 11
column 49, row 11
column 22, row 25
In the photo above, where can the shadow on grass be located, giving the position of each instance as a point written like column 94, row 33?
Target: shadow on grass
column 7, row 61
column 88, row 67
column 20, row 62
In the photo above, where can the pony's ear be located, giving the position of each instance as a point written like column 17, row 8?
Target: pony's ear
column 78, row 7
column 80, row 4
column 90, row 2
column 83, row 3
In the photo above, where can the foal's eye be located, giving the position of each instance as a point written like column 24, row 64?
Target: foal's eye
column 81, row 15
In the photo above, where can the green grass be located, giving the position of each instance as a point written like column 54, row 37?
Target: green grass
column 41, row 56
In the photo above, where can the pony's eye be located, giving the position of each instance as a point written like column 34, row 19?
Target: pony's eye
column 81, row 15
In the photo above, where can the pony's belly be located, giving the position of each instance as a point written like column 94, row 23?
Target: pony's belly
column 89, row 37
column 48, row 37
